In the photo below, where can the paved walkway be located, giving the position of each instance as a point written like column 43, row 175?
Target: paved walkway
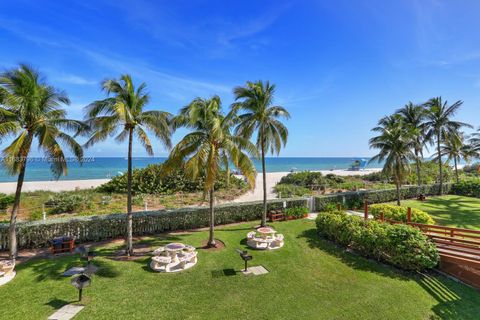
column 66, row 312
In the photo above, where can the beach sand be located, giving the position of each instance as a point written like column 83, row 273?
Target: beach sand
column 56, row 186
column 257, row 194
column 274, row 177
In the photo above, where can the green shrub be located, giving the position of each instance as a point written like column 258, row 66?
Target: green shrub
column 468, row 188
column 150, row 180
column 5, row 201
column 65, row 202
column 354, row 203
column 429, row 173
column 378, row 176
column 306, row 179
column 330, row 207
column 296, row 212
column 400, row 245
column 291, row 190
column 399, row 213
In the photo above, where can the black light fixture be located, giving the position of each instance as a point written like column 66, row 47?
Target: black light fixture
column 245, row 257
column 80, row 282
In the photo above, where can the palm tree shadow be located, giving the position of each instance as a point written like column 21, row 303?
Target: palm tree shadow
column 52, row 268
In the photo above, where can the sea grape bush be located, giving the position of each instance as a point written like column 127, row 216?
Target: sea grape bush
column 400, row 245
column 151, row 180
column 66, row 202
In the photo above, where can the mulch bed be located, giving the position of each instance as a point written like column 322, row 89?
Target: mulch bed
column 220, row 245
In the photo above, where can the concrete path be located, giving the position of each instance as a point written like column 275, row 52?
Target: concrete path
column 66, row 312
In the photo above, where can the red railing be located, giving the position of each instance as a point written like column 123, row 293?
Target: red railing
column 459, row 248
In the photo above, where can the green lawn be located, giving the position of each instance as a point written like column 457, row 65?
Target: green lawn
column 450, row 210
column 309, row 279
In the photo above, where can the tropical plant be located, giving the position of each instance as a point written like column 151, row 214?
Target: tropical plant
column 124, row 113
column 440, row 126
column 413, row 117
column 209, row 146
column 456, row 148
column 395, row 145
column 31, row 109
column 261, row 116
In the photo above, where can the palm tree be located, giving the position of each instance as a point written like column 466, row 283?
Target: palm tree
column 456, row 148
column 123, row 113
column 32, row 111
column 440, row 126
column 413, row 117
column 395, row 145
column 256, row 100
column 209, row 146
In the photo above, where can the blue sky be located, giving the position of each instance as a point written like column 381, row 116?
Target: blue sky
column 338, row 65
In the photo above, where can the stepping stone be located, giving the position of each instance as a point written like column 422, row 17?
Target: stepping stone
column 66, row 312
column 256, row 271
column 312, row 216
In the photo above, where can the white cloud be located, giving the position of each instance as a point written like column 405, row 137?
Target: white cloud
column 74, row 79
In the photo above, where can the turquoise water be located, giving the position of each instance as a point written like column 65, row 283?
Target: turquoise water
column 103, row 168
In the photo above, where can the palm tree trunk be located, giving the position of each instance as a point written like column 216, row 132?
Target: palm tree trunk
column 456, row 169
column 211, row 239
column 264, row 175
column 12, row 232
column 129, row 196
column 397, row 185
column 440, row 171
column 419, row 179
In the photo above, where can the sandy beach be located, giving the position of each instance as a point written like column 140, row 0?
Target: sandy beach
column 257, row 194
column 56, row 186
column 274, row 177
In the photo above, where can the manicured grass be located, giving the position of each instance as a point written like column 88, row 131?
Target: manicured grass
column 309, row 279
column 450, row 210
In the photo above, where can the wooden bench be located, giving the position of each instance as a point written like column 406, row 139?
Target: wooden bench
column 62, row 244
column 276, row 215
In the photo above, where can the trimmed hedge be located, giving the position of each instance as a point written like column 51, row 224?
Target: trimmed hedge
column 468, row 188
column 400, row 245
column 95, row 228
column 378, row 196
column 399, row 213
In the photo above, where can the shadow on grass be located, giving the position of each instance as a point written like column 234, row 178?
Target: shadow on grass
column 455, row 300
column 223, row 273
column 455, row 210
column 351, row 259
column 52, row 268
column 57, row 303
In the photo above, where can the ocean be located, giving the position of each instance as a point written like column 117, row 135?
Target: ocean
column 106, row 167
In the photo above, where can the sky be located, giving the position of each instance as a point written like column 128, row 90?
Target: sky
column 338, row 66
